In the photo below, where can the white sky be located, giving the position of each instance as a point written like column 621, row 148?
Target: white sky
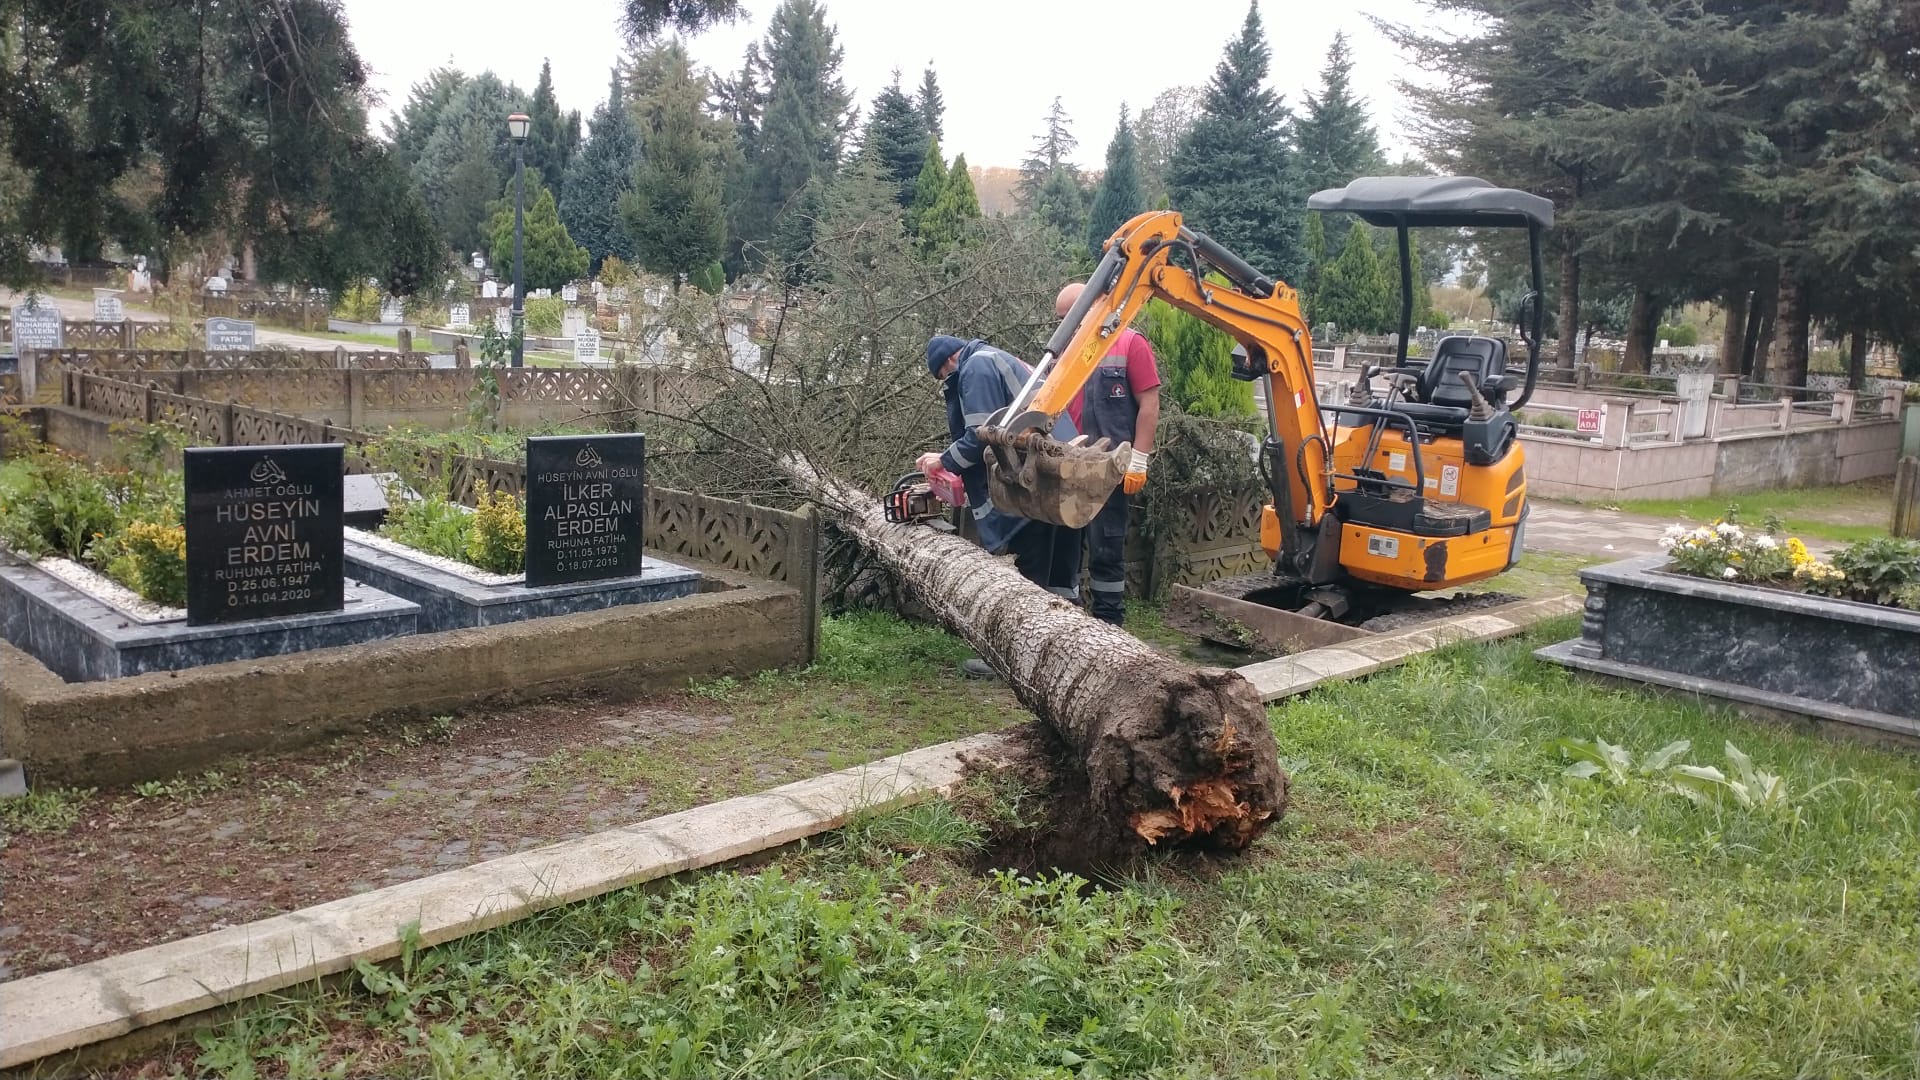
column 1000, row 62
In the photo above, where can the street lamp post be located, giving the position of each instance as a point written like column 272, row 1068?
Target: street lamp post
column 517, row 130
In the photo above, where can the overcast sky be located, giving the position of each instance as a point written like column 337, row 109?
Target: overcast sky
column 1000, row 62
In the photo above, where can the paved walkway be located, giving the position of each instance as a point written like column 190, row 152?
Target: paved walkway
column 82, row 310
column 1584, row 530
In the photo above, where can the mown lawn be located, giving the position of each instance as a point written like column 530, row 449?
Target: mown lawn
column 1842, row 513
column 1442, row 900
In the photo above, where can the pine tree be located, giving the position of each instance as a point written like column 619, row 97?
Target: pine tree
column 1118, row 196
column 1061, row 206
column 674, row 212
column 409, row 129
column 932, row 104
column 599, row 175
column 467, row 159
column 927, row 187
column 1335, row 140
column 898, row 139
column 1051, row 151
column 551, row 258
column 1354, row 291
column 1234, row 177
column 801, row 129
column 952, row 215
column 552, row 136
column 1313, row 241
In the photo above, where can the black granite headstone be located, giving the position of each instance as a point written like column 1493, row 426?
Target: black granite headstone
column 586, row 502
column 264, row 534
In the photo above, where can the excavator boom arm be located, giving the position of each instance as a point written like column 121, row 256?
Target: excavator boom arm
column 1261, row 314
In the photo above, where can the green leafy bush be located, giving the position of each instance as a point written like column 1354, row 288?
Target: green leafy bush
column 153, row 562
column 497, row 537
column 432, row 524
column 1880, row 571
column 358, row 303
column 1681, row 336
column 544, row 315
column 51, row 504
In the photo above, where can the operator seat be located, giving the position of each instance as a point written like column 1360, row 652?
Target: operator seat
column 1443, row 399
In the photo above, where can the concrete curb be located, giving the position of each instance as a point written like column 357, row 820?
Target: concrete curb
column 1285, row 676
column 74, row 1007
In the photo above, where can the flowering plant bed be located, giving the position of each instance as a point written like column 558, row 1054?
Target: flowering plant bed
column 1881, row 571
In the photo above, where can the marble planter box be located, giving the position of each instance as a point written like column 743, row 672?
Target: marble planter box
column 1829, row 659
column 85, row 628
column 453, row 595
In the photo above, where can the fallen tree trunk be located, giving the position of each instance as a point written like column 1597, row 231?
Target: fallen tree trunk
column 1173, row 755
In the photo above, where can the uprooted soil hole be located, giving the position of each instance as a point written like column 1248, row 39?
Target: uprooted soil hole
column 1050, row 827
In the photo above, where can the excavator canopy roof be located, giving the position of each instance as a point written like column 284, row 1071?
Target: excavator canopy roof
column 1445, row 201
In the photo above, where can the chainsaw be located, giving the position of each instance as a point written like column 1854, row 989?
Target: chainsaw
column 923, row 497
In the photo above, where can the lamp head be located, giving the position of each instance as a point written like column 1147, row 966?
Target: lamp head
column 517, row 125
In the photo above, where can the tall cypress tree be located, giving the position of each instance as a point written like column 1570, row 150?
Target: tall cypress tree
column 599, row 175
column 552, row 258
column 553, row 136
column 674, row 212
column 1354, row 291
column 1335, row 139
column 1119, row 196
column 933, row 104
column 802, row 128
column 1234, row 177
column 897, row 137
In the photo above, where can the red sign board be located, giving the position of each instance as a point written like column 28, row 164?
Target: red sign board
column 1588, row 422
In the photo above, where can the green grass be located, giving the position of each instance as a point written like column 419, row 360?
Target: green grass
column 1441, row 901
column 1843, row 513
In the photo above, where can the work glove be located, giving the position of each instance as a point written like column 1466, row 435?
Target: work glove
column 1136, row 477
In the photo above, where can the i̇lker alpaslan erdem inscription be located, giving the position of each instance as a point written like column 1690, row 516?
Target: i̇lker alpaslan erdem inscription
column 586, row 500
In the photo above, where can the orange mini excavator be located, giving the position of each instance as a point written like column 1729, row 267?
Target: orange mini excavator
column 1413, row 483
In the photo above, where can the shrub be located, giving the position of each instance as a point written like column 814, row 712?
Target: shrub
column 51, row 504
column 1884, row 570
column 497, row 538
column 544, row 315
column 359, row 303
column 1679, row 337
column 153, row 562
column 433, row 525
column 614, row 272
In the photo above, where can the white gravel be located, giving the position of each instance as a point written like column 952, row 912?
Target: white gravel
column 108, row 591
column 451, row 566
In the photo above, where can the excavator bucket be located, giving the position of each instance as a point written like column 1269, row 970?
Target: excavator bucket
column 1038, row 477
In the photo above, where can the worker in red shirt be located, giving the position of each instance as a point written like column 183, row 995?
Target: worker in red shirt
column 1121, row 403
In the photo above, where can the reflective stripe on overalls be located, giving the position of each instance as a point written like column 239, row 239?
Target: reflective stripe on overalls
column 1109, row 410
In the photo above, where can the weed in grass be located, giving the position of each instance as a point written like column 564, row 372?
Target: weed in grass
column 185, row 787
column 43, row 810
column 716, row 689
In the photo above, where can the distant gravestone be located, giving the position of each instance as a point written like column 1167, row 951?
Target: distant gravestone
column 572, row 322
column 459, row 315
column 503, row 320
column 586, row 503
column 229, row 335
column 264, row 532
column 625, row 321
column 489, row 290
column 37, row 326
column 570, row 293
column 392, row 312
column 106, row 306
column 586, row 345
column 617, row 294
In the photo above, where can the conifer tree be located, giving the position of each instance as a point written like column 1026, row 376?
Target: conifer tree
column 897, row 137
column 1196, row 363
column 551, row 257
column 1159, row 131
column 1051, row 152
column 1233, row 177
column 933, row 104
column 1354, row 291
column 674, row 212
column 927, row 187
column 599, row 175
column 801, row 129
column 552, row 136
column 1118, row 196
column 952, row 214
column 1313, row 241
column 1335, row 140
